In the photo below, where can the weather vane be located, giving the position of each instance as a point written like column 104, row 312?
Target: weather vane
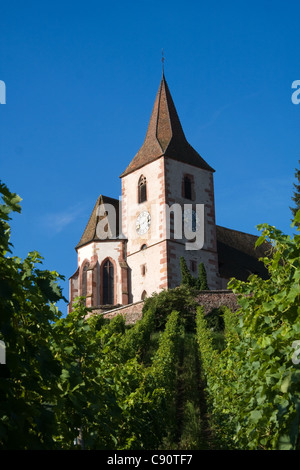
column 162, row 59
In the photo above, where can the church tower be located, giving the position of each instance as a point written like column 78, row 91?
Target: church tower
column 165, row 174
column 132, row 247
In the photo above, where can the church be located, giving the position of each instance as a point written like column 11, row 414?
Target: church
column 131, row 246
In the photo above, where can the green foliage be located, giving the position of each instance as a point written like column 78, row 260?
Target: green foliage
column 186, row 278
column 76, row 382
column 202, row 278
column 163, row 373
column 137, row 339
column 147, row 406
column 190, row 281
column 26, row 316
column 254, row 386
column 296, row 197
column 215, row 319
column 10, row 203
column 220, row 384
column 215, row 322
column 191, row 432
column 163, row 303
column 108, row 393
column 207, row 352
column 85, row 402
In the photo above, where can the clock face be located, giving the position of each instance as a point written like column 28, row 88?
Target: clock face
column 143, row 222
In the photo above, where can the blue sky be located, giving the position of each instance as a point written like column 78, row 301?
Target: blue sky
column 81, row 79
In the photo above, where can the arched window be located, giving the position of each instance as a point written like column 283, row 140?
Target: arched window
column 108, row 283
column 143, row 247
column 187, row 187
column 144, row 295
column 142, row 189
column 84, row 280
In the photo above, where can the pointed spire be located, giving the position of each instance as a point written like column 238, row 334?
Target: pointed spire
column 165, row 135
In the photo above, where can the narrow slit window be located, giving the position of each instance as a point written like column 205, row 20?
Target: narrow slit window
column 84, row 279
column 193, row 266
column 187, row 188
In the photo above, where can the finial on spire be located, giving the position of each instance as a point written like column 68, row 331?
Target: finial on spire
column 162, row 60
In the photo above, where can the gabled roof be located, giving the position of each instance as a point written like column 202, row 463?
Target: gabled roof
column 165, row 136
column 90, row 232
column 238, row 256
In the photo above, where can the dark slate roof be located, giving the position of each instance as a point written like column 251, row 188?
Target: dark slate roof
column 165, row 136
column 90, row 233
column 238, row 256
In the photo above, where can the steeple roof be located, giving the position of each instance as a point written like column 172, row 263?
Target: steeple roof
column 90, row 232
column 165, row 136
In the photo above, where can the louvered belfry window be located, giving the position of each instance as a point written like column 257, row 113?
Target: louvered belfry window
column 108, row 283
column 142, row 189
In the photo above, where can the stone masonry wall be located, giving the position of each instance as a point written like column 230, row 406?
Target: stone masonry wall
column 217, row 298
column 132, row 312
column 209, row 299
